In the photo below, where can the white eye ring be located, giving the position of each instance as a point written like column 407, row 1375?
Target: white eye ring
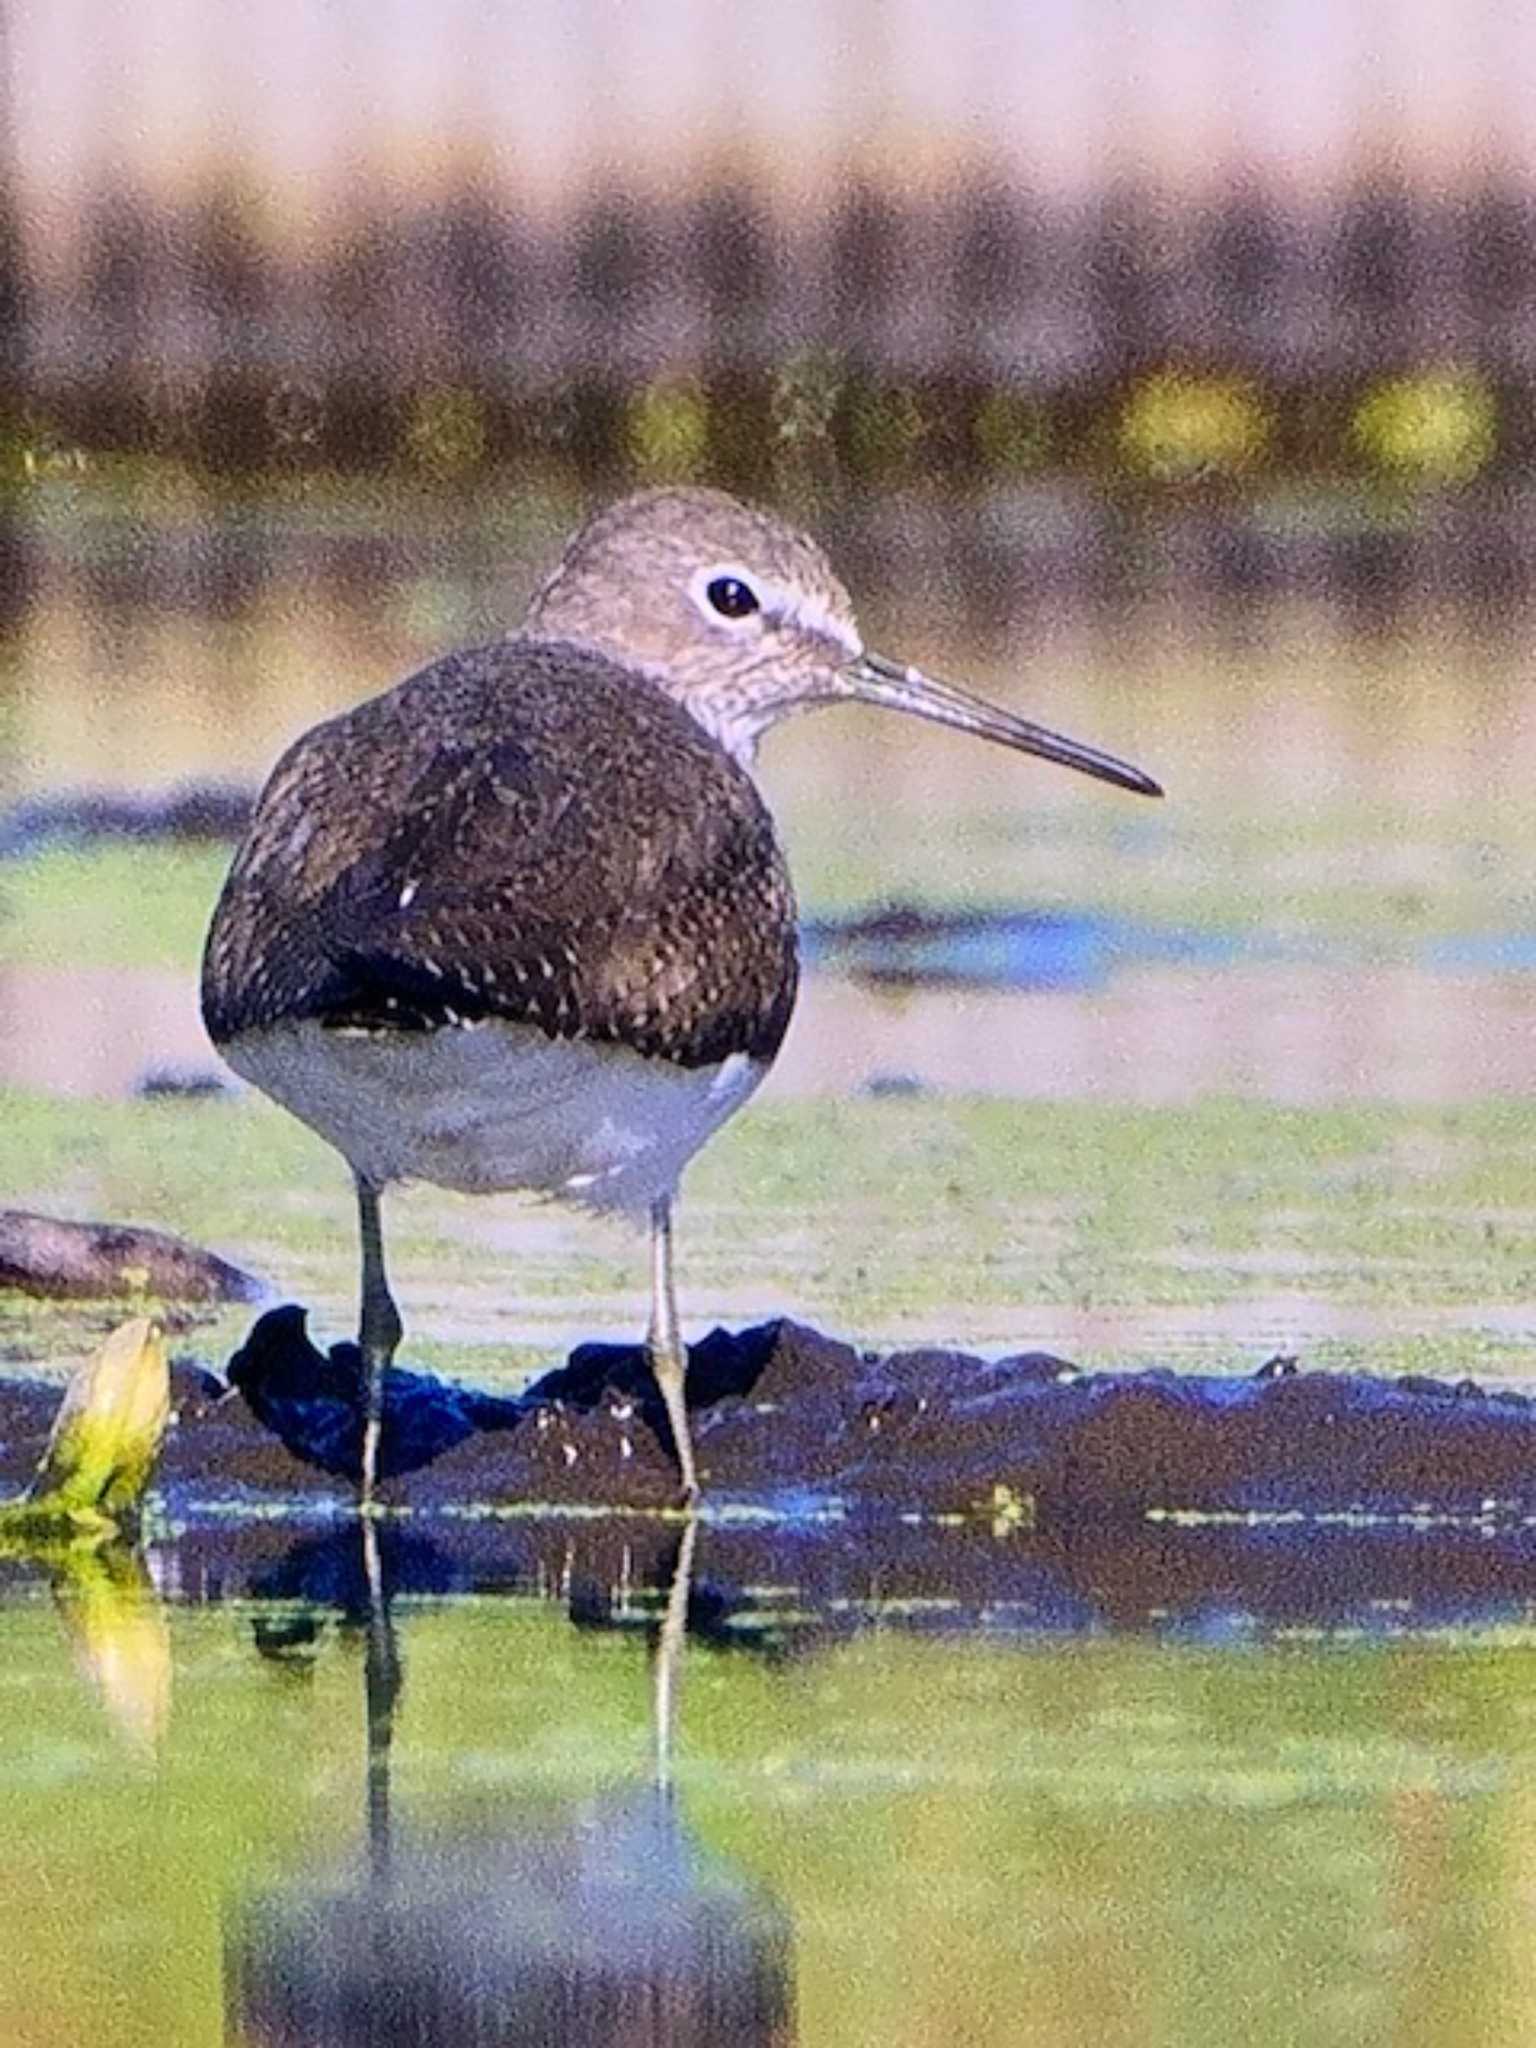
column 728, row 595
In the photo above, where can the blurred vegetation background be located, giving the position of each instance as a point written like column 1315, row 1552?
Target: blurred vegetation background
column 1202, row 258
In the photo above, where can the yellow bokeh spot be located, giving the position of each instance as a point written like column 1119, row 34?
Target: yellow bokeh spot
column 1440, row 426
column 1012, row 431
column 668, row 430
column 445, row 431
column 1178, row 425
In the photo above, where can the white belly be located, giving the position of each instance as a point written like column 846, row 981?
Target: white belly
column 497, row 1106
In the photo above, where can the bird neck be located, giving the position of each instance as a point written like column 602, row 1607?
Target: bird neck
column 735, row 721
column 735, row 713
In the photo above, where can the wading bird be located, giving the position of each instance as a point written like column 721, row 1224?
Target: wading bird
column 523, row 921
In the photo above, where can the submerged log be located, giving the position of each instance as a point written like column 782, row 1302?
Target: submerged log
column 196, row 812
column 49, row 1256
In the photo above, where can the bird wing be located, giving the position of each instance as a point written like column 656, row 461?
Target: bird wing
column 517, row 833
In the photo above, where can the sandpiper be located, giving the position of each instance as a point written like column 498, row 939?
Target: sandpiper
column 523, row 921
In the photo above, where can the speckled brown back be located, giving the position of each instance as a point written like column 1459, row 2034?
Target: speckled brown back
column 522, row 831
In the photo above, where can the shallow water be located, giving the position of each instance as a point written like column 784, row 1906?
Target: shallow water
column 897, row 1832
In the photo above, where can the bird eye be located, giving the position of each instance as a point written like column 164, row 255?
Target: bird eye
column 731, row 597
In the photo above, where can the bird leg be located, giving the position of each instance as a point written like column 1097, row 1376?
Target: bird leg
column 664, row 1342
column 669, row 1656
column 378, row 1332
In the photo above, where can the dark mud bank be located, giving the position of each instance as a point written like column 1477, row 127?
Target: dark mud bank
column 791, row 1421
column 923, row 1489
column 787, row 1416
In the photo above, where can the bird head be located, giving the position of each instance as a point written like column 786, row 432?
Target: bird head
column 742, row 619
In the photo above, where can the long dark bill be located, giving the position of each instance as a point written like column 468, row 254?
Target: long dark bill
column 874, row 680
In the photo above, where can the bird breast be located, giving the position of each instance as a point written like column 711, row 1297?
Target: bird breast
column 496, row 1106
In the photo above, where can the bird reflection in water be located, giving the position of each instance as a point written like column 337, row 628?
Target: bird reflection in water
column 610, row 1928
